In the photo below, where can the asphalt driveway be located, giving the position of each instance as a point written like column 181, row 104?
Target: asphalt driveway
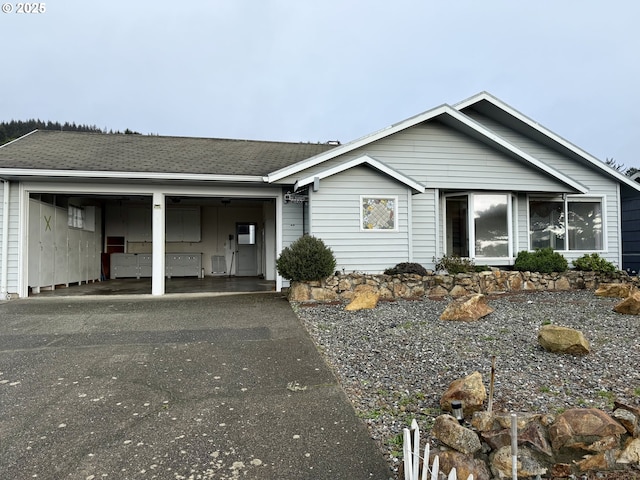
column 175, row 387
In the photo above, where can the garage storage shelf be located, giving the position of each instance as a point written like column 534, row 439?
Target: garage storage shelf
column 139, row 265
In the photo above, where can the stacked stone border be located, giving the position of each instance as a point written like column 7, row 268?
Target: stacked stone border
column 548, row 445
column 343, row 287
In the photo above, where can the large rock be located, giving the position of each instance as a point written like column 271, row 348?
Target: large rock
column 533, row 436
column 630, row 305
column 366, row 297
column 469, row 390
column 299, row 292
column 528, row 465
column 586, row 429
column 628, row 420
column 554, row 338
column 467, row 308
column 631, row 453
column 451, row 433
column 618, row 290
column 465, row 465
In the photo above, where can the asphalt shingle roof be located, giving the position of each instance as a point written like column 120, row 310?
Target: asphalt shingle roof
column 54, row 150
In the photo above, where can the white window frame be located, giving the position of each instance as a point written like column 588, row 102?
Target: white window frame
column 76, row 217
column 394, row 198
column 511, row 224
column 566, row 199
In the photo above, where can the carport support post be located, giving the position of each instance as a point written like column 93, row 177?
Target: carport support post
column 158, row 222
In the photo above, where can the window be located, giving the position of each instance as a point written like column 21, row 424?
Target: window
column 485, row 233
column 75, row 217
column 571, row 224
column 378, row 213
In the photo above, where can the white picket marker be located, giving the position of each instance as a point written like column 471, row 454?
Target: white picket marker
column 452, row 474
column 425, row 462
column 416, row 449
column 435, row 468
column 514, row 446
column 406, row 453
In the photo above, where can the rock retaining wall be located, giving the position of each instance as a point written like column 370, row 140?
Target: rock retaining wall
column 390, row 287
column 568, row 445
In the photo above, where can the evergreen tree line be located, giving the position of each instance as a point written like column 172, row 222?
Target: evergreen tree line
column 17, row 128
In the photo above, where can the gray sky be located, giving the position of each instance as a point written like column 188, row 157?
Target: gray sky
column 297, row 70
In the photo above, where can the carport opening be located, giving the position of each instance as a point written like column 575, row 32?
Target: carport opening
column 102, row 244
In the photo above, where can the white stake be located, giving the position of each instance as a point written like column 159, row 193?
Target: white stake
column 514, row 446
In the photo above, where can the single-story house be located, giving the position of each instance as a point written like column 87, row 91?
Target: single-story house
column 476, row 179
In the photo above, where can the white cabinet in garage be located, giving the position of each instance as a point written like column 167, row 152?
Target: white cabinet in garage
column 139, row 265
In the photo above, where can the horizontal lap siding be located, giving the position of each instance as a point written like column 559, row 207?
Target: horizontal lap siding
column 336, row 220
column 12, row 262
column 292, row 223
column 598, row 183
column 424, row 228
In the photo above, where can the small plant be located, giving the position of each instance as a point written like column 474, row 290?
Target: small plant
column 594, row 263
column 454, row 264
column 411, row 268
column 543, row 260
column 306, row 259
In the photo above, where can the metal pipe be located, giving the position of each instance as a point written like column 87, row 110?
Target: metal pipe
column 4, row 274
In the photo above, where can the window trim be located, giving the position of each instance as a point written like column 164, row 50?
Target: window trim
column 395, row 213
column 512, row 202
column 566, row 199
column 76, row 217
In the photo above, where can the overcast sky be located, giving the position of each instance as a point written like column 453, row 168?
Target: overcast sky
column 298, row 70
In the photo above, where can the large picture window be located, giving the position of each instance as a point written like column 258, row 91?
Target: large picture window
column 378, row 213
column 478, row 225
column 571, row 224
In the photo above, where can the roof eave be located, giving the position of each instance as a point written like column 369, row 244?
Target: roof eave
column 363, row 160
column 25, row 172
column 548, row 133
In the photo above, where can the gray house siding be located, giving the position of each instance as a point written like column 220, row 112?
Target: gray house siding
column 630, row 230
column 13, row 237
column 599, row 184
column 424, row 219
column 336, row 219
column 440, row 157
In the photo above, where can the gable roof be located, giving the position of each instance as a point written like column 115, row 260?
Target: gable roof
column 142, row 156
column 447, row 115
column 362, row 160
column 495, row 108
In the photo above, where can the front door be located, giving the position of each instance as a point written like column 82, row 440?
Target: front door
column 246, row 251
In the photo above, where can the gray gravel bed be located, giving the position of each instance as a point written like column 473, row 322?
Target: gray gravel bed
column 395, row 361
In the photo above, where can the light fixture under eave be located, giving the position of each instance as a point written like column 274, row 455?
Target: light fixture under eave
column 226, row 201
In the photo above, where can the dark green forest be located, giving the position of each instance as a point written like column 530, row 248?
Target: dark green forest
column 17, row 128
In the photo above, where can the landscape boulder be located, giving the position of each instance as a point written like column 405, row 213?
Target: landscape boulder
column 587, row 429
column 528, row 466
column 366, row 297
column 469, row 390
column 447, row 429
column 619, row 290
column 465, row 465
column 467, row 308
column 557, row 339
column 630, row 305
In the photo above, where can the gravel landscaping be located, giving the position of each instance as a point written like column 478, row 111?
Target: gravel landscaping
column 396, row 361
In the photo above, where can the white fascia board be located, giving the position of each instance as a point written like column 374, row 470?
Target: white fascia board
column 23, row 172
column 348, row 147
column 364, row 159
column 478, row 127
column 548, row 133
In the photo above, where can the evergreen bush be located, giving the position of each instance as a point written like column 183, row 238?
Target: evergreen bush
column 306, row 259
column 594, row 263
column 411, row 268
column 454, row 264
column 543, row 260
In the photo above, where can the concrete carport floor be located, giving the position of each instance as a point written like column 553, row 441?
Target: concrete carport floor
column 181, row 386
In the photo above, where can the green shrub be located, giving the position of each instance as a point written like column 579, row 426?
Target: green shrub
column 454, row 264
column 594, row 263
column 543, row 260
column 413, row 268
column 306, row 259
